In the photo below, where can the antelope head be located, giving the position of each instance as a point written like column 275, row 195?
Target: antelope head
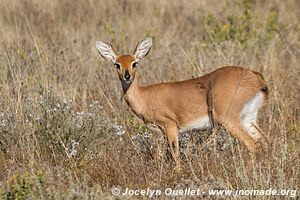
column 125, row 65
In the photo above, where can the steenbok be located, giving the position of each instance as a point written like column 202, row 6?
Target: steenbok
column 230, row 96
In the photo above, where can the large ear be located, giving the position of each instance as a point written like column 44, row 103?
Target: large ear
column 143, row 48
column 106, row 51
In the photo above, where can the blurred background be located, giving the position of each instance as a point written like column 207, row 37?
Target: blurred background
column 66, row 133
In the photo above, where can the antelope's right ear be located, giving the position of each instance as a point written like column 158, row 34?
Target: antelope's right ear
column 106, row 51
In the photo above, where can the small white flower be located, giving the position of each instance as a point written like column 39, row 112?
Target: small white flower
column 119, row 129
column 78, row 126
column 65, row 101
column 73, row 150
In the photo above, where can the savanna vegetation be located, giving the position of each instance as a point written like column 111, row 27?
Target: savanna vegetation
column 65, row 132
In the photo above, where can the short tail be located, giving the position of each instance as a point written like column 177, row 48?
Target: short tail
column 264, row 89
column 263, row 86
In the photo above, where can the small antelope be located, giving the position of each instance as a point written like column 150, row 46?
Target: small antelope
column 230, row 96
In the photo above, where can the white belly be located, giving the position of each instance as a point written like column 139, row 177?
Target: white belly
column 201, row 123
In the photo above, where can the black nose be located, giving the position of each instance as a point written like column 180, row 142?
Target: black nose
column 127, row 75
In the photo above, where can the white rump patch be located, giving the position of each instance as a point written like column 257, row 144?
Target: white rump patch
column 201, row 123
column 249, row 112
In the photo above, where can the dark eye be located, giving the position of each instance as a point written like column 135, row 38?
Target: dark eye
column 117, row 66
column 134, row 65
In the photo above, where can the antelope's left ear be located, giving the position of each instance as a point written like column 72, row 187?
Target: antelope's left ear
column 143, row 48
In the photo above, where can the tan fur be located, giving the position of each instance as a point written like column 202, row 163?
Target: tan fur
column 126, row 62
column 185, row 101
column 175, row 105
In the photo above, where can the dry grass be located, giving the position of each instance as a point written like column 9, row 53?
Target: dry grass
column 65, row 134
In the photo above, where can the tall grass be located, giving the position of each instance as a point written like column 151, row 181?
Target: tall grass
column 66, row 133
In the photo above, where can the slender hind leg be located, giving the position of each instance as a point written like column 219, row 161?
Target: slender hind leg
column 237, row 131
column 259, row 136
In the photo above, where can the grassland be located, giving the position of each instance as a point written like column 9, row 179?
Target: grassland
column 65, row 133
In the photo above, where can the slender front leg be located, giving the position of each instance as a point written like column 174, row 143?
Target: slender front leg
column 172, row 135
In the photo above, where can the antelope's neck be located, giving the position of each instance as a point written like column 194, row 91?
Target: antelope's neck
column 133, row 95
